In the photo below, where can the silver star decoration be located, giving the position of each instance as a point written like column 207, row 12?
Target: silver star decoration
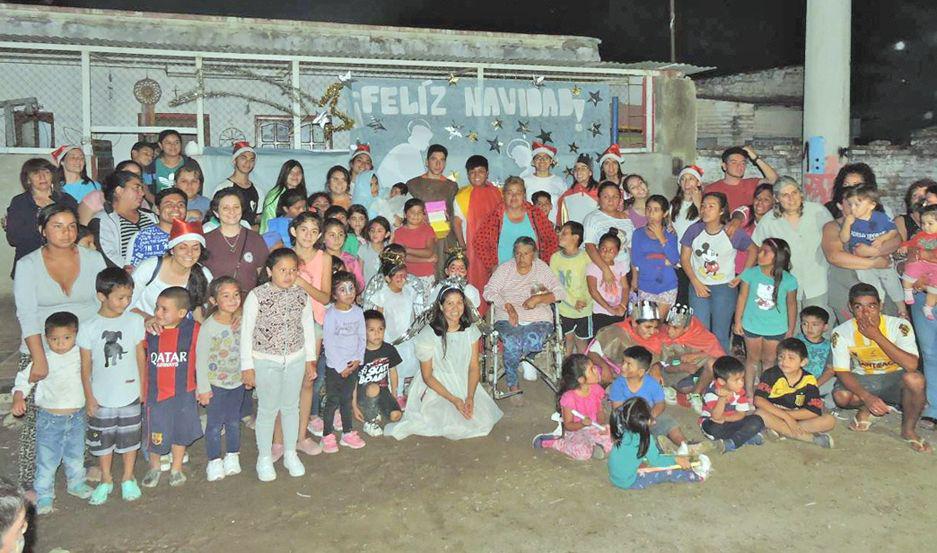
column 376, row 124
column 346, row 79
column 523, row 127
column 323, row 119
column 596, row 129
column 574, row 148
column 494, row 145
column 545, row 136
column 538, row 81
column 595, row 98
column 497, row 124
column 454, row 131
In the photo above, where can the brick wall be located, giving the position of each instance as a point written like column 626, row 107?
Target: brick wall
column 896, row 167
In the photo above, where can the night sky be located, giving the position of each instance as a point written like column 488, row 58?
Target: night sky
column 893, row 89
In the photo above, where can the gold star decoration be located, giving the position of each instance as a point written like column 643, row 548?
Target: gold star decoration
column 576, row 90
column 473, row 136
column 453, row 79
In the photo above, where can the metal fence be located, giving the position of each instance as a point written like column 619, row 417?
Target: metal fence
column 55, row 94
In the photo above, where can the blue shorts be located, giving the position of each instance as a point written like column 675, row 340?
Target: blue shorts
column 170, row 422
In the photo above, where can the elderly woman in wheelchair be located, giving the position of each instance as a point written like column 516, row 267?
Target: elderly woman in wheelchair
column 522, row 291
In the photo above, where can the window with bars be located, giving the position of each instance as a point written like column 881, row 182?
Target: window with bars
column 276, row 131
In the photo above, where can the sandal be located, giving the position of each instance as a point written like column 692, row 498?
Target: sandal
column 919, row 445
column 862, row 426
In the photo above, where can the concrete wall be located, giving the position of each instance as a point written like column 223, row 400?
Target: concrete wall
column 723, row 123
column 10, row 169
column 778, row 122
column 770, row 84
column 214, row 33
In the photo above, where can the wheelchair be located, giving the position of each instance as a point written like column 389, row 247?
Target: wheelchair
column 548, row 361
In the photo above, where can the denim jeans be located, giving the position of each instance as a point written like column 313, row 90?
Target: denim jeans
column 224, row 412
column 677, row 475
column 60, row 440
column 739, row 431
column 317, row 384
column 520, row 341
column 926, row 332
column 278, row 386
column 717, row 311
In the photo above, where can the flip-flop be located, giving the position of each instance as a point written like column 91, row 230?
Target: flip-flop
column 860, row 426
column 919, row 445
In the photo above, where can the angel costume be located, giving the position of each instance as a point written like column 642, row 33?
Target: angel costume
column 428, row 413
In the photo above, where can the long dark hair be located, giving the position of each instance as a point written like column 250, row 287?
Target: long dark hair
column 280, row 187
column 677, row 203
column 751, row 208
column 338, row 169
column 574, row 368
column 633, row 417
column 289, row 198
column 723, row 205
column 438, row 321
column 36, row 164
column 60, row 170
column 197, row 285
column 115, row 180
column 782, row 262
column 839, row 187
column 586, row 160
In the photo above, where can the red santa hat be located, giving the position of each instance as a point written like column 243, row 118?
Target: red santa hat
column 541, row 148
column 694, row 170
column 612, row 152
column 59, row 153
column 240, row 147
column 183, row 231
column 361, row 150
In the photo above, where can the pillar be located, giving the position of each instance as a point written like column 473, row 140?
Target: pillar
column 826, row 92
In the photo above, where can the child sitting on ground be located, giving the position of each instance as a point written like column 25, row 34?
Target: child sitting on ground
column 631, row 435
column 727, row 415
column 113, row 369
column 579, row 400
column 570, row 264
column 814, row 321
column 635, row 382
column 172, row 422
column 788, row 399
column 60, row 423
column 687, row 357
column 374, row 400
column 218, row 377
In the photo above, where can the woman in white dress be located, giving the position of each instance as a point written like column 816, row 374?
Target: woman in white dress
column 446, row 398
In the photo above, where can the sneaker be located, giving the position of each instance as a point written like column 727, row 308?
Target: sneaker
column 352, row 440
column 530, row 371
column 670, row 395
column 373, row 429
column 307, row 446
column 81, row 491
column 44, row 506
column 329, row 444
column 823, row 440
column 704, row 467
column 129, row 490
column 185, row 458
column 151, row 479
column 276, row 452
column 215, row 470
column 177, row 478
column 292, row 463
column 232, row 464
column 165, row 463
column 543, row 441
column 696, row 403
column 100, row 493
column 909, row 296
column 757, row 439
column 598, row 452
column 683, row 450
column 928, row 312
column 315, row 426
column 265, row 470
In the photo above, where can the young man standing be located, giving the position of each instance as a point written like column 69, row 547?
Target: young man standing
column 433, row 186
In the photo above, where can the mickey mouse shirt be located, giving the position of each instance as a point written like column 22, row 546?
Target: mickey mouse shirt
column 712, row 256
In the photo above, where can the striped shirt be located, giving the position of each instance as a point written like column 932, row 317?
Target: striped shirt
column 128, row 229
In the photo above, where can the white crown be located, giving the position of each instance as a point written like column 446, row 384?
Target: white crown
column 679, row 315
column 646, row 311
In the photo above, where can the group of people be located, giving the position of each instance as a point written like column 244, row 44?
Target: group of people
column 361, row 303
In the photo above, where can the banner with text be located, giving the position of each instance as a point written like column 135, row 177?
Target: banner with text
column 400, row 118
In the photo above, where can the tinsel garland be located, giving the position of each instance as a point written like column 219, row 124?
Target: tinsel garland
column 330, row 98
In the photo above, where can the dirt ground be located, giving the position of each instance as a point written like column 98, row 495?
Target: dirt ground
column 870, row 493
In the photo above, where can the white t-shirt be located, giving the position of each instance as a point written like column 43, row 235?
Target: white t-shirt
column 144, row 295
column 115, row 376
column 61, row 388
column 398, row 310
column 712, row 256
column 598, row 223
column 680, row 220
column 578, row 205
column 552, row 185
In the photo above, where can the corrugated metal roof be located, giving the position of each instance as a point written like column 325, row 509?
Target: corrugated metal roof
column 683, row 68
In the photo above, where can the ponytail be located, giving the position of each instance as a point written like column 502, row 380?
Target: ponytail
column 633, row 417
